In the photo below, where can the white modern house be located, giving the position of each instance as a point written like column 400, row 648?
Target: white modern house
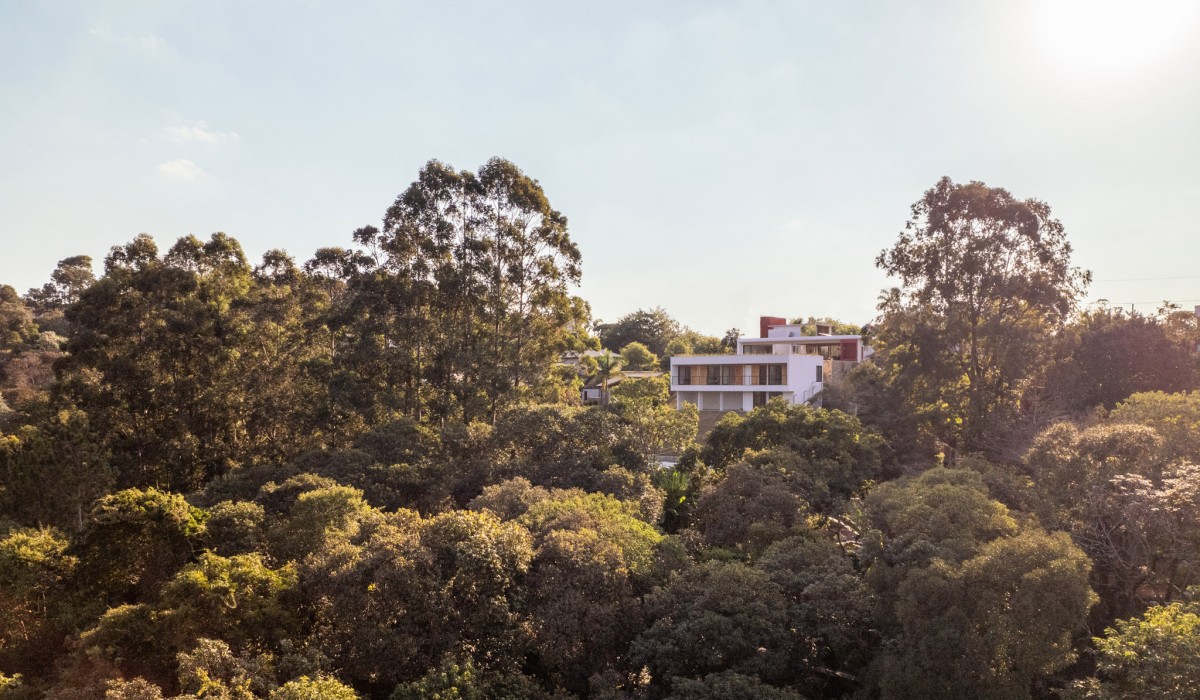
column 783, row 362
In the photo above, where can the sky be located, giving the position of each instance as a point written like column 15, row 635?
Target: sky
column 722, row 160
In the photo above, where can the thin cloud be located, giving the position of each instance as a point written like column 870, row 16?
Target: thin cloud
column 180, row 169
column 149, row 43
column 197, row 132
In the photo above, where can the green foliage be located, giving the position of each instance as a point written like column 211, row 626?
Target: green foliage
column 1175, row 417
column 981, row 273
column 1114, row 354
column 392, row 603
column 751, row 507
column 317, row 517
column 449, row 681
column 461, row 679
column 809, row 325
column 690, row 342
column 13, row 688
column 657, row 427
column 992, row 626
column 136, row 689
column 679, row 499
column 654, row 329
column 943, row 514
column 134, row 541
column 607, row 366
column 811, row 432
column 320, row 688
column 618, row 522
column 557, row 446
column 833, row 447
column 123, row 643
column 236, row 527
column 190, row 365
column 654, row 391
column 16, row 322
column 637, row 356
column 462, row 305
column 400, row 442
column 211, row 669
column 728, row 686
column 711, row 618
column 1111, row 487
column 869, row 393
column 52, row 471
column 70, row 278
column 238, row 600
column 332, row 418
column 510, row 499
column 831, row 611
column 34, row 568
column 978, row 605
column 1154, row 656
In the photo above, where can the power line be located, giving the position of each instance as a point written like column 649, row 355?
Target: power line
column 1152, row 279
column 1152, row 301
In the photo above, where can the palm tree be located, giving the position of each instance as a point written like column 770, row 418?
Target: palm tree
column 607, row 365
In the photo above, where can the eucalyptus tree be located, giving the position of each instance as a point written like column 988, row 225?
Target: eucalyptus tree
column 191, row 363
column 70, row 278
column 986, row 281
column 465, row 302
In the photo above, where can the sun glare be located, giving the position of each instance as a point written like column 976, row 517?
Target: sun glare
column 1108, row 37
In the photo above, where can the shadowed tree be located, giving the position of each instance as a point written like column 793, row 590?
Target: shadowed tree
column 466, row 304
column 981, row 273
column 654, row 329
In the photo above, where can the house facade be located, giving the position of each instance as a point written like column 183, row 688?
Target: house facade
column 782, row 363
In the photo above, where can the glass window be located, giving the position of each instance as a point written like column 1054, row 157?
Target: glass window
column 820, row 373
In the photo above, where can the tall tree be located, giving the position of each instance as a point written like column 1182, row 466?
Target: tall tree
column 607, row 366
column 977, row 604
column 654, row 329
column 16, row 322
column 466, row 303
column 70, row 278
column 192, row 363
column 1114, row 354
column 982, row 274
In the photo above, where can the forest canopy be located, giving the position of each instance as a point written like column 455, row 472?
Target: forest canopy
column 371, row 474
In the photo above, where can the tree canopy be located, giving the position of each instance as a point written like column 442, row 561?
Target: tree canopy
column 370, row 474
column 981, row 273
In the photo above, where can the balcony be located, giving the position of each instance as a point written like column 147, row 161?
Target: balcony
column 729, row 375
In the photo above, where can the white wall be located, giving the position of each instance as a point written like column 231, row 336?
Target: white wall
column 801, row 379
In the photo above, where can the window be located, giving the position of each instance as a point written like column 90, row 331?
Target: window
column 731, row 374
column 820, row 373
column 760, row 398
column 769, row 374
column 685, row 375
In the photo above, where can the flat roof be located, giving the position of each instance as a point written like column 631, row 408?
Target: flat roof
column 811, row 339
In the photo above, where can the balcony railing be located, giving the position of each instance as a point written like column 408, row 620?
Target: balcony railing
column 737, row 379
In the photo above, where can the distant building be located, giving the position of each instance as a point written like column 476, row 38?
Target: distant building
column 782, row 363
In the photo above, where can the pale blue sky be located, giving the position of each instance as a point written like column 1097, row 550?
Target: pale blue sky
column 720, row 159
